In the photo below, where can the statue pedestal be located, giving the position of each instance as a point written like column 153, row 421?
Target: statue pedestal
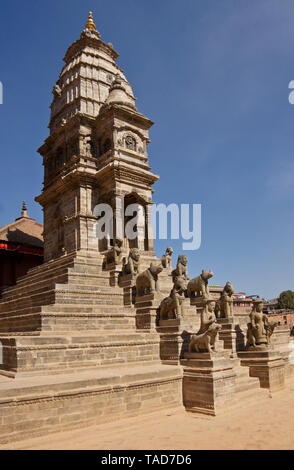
column 281, row 342
column 208, row 383
column 114, row 273
column 128, row 283
column 146, row 310
column 229, row 335
column 174, row 340
column 267, row 365
column 199, row 303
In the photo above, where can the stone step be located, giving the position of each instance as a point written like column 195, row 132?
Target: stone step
column 244, row 397
column 47, row 282
column 106, row 307
column 87, row 309
column 48, row 268
column 64, row 294
column 33, row 354
column 76, row 400
column 59, row 267
column 87, row 297
column 66, row 321
column 38, row 386
column 31, row 300
column 247, row 383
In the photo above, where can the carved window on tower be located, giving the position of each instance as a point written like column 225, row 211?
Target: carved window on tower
column 49, row 167
column 59, row 157
column 60, row 230
column 74, row 148
column 106, row 145
column 94, row 150
column 130, row 143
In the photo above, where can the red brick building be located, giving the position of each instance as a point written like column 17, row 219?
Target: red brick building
column 21, row 248
column 241, row 301
column 283, row 317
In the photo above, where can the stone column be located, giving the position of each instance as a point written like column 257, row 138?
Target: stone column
column 118, row 216
column 149, row 228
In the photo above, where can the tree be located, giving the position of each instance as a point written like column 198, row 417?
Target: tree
column 286, row 299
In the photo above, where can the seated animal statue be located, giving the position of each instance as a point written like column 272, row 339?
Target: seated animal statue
column 224, row 306
column 147, row 281
column 132, row 265
column 205, row 342
column 171, row 307
column 114, row 255
column 269, row 328
column 199, row 285
column 181, row 269
column 167, row 257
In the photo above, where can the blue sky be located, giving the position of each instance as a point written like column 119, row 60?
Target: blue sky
column 213, row 76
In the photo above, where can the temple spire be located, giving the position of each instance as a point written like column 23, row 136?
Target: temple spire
column 24, row 211
column 90, row 23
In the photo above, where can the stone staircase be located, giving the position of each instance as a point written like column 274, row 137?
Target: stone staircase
column 74, row 353
column 64, row 326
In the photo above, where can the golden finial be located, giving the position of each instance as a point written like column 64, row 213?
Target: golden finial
column 24, row 211
column 90, row 23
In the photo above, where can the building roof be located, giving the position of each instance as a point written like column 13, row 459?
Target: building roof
column 23, row 231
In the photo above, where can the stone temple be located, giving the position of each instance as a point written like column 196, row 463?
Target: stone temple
column 104, row 329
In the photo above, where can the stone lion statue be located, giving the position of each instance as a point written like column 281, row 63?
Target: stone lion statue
column 205, row 342
column 181, row 269
column 167, row 257
column 147, row 281
column 224, row 306
column 199, row 285
column 171, row 307
column 132, row 264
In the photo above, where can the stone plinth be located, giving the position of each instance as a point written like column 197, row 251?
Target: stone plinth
column 267, row 365
column 198, row 302
column 280, row 342
column 208, row 383
column 128, row 283
column 230, row 335
column 114, row 273
column 174, row 340
column 147, row 310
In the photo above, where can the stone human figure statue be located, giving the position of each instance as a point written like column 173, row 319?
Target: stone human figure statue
column 181, row 269
column 132, row 264
column 259, row 329
column 204, row 340
column 224, row 306
column 167, row 257
column 172, row 307
column 115, row 253
column 207, row 315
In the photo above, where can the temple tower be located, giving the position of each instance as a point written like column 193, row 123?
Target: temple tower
column 96, row 152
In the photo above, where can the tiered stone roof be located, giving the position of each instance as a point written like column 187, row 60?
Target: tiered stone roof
column 24, row 230
column 84, row 82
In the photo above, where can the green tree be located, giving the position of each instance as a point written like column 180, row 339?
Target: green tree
column 286, row 299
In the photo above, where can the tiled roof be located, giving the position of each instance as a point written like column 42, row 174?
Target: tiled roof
column 24, row 231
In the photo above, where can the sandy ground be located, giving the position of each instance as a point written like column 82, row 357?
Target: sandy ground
column 265, row 424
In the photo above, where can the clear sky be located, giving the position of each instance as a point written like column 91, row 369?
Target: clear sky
column 213, row 76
